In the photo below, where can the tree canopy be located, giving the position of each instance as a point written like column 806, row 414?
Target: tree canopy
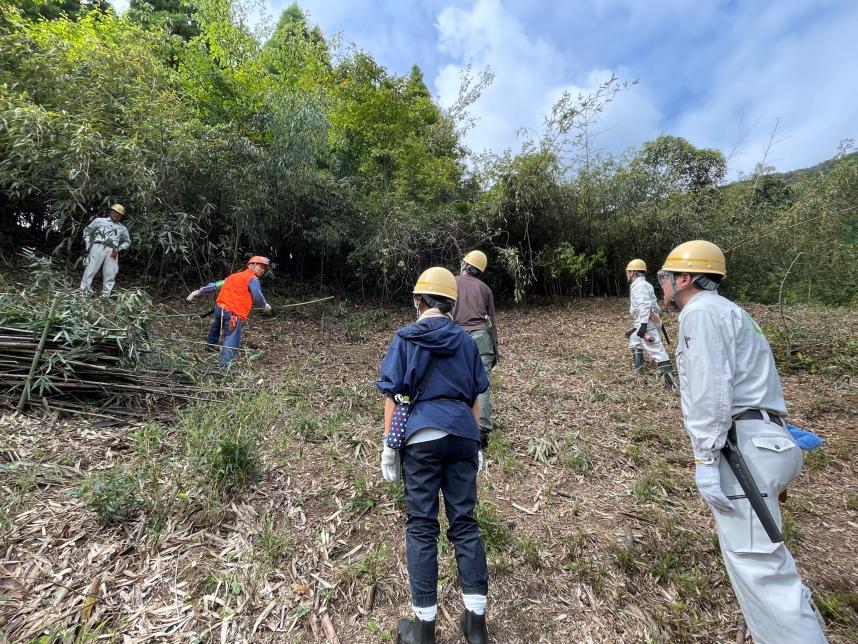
column 224, row 143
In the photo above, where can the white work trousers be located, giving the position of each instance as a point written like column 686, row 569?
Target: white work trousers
column 654, row 348
column 775, row 603
column 100, row 257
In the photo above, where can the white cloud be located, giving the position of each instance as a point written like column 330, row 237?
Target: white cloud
column 530, row 73
column 773, row 70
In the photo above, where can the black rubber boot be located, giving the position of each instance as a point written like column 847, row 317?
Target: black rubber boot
column 666, row 370
column 637, row 358
column 415, row 631
column 474, row 628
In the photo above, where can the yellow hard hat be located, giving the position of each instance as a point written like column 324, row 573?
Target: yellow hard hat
column 118, row 207
column 696, row 256
column 477, row 259
column 436, row 281
column 636, row 265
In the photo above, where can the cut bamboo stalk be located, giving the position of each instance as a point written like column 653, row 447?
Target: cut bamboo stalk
column 25, row 394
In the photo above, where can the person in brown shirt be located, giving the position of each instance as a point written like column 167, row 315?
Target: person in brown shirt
column 474, row 311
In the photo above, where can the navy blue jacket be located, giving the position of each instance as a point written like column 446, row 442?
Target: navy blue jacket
column 453, row 386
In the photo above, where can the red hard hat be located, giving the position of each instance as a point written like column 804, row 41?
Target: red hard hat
column 259, row 259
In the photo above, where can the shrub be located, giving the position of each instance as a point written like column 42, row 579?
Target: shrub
column 113, row 496
column 222, row 439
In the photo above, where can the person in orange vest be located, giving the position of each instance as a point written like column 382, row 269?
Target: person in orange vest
column 239, row 293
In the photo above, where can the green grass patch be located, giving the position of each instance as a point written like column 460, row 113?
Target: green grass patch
column 114, row 496
column 496, row 533
column 839, row 607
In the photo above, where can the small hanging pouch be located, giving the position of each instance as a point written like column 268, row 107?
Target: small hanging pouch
column 396, row 437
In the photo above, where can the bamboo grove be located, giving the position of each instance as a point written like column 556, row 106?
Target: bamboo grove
column 223, row 137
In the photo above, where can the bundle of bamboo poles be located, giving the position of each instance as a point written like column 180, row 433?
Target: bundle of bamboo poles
column 70, row 351
column 27, row 369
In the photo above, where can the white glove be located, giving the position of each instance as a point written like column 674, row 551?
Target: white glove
column 194, row 295
column 480, row 461
column 390, row 467
column 266, row 309
column 708, row 479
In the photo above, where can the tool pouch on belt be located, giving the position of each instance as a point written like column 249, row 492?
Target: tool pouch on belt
column 396, row 437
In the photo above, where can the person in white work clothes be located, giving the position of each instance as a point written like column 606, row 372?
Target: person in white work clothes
column 727, row 378
column 644, row 309
column 104, row 238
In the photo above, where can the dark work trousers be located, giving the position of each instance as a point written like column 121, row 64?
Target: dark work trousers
column 448, row 464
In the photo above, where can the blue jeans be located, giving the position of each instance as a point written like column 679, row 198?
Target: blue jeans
column 447, row 464
column 221, row 322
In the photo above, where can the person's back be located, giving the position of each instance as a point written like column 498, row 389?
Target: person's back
column 474, row 305
column 450, row 392
column 235, row 295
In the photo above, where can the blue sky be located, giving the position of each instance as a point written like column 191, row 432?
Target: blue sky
column 720, row 73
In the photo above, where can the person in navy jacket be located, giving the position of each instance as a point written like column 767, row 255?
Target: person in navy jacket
column 440, row 452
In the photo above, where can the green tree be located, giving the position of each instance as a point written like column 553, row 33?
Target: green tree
column 177, row 16
column 49, row 9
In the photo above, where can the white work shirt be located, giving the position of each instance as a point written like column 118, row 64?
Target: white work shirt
column 642, row 300
column 725, row 367
column 105, row 231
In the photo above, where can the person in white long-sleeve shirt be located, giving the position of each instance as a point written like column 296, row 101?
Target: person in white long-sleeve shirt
column 727, row 378
column 104, row 238
column 644, row 309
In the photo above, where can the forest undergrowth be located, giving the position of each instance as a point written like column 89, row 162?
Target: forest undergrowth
column 260, row 514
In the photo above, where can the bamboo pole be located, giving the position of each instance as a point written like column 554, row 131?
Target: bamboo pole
column 25, row 394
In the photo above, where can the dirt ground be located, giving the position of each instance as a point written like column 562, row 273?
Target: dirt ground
column 594, row 529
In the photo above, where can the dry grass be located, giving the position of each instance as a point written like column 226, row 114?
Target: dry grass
column 594, row 530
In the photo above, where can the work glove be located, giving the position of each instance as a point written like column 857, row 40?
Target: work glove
column 805, row 439
column 642, row 330
column 194, row 295
column 629, row 333
column 708, row 479
column 480, row 461
column 390, row 464
column 266, row 310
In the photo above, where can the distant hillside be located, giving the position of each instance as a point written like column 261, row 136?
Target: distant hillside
column 794, row 176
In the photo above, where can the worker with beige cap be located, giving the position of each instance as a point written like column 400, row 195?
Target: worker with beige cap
column 104, row 238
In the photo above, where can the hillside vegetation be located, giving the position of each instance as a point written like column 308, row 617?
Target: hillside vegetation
column 225, row 140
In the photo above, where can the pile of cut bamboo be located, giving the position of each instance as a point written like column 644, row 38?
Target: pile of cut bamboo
column 71, row 351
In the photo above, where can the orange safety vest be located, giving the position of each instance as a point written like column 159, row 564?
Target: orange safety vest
column 235, row 294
